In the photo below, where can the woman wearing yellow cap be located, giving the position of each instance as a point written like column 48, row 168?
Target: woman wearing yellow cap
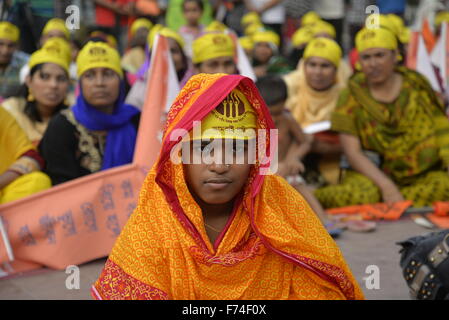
column 389, row 22
column 266, row 57
column 219, row 228
column 214, row 53
column 99, row 131
column 55, row 28
column 136, row 95
column 135, row 56
column 299, row 41
column 393, row 130
column 45, row 90
column 313, row 91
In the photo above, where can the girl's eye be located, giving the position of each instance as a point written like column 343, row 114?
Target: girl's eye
column 108, row 73
column 44, row 76
column 62, row 79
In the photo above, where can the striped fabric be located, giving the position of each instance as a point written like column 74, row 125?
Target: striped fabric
column 296, row 9
column 41, row 8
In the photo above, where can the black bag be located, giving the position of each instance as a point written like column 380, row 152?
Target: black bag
column 425, row 265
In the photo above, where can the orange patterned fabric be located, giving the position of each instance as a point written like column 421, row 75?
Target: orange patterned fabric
column 274, row 246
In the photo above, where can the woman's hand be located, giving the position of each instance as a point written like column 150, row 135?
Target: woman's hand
column 391, row 193
column 8, row 177
column 290, row 167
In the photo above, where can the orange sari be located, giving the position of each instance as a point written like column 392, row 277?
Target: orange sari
column 273, row 246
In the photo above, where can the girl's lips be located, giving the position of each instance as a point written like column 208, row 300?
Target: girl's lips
column 217, row 186
column 51, row 96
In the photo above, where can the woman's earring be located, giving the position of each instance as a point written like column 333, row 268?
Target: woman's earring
column 30, row 97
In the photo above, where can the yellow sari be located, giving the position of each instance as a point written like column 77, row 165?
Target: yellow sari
column 273, row 246
column 14, row 146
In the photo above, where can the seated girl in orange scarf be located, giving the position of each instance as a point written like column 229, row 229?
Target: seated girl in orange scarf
column 222, row 229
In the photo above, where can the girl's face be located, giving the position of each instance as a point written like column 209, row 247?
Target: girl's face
column 192, row 13
column 101, row 87
column 7, row 48
column 49, row 85
column 52, row 34
column 378, row 64
column 262, row 52
column 217, row 182
column 218, row 65
column 320, row 73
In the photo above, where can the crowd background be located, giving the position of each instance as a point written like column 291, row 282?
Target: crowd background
column 115, row 17
column 304, row 55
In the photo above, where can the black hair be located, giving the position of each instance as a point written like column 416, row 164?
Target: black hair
column 273, row 89
column 95, row 39
column 30, row 107
column 77, row 43
column 199, row 3
column 294, row 57
column 181, row 73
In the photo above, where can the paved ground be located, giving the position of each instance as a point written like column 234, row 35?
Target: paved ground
column 360, row 250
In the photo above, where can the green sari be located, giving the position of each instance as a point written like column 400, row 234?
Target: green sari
column 411, row 135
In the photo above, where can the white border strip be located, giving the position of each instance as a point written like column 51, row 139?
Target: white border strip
column 6, row 241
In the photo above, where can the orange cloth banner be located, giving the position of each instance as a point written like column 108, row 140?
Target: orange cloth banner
column 375, row 211
column 79, row 221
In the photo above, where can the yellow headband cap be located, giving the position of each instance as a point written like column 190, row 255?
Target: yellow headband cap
column 140, row 23
column 403, row 33
column 98, row 55
column 169, row 33
column 9, row 31
column 55, row 50
column 253, row 28
column 321, row 26
column 267, row 36
column 211, row 46
column 56, row 24
column 152, row 34
column 440, row 17
column 216, row 26
column 324, row 48
column 250, row 18
column 385, row 22
column 246, row 43
column 302, row 36
column 110, row 39
column 229, row 119
column 375, row 38
column 310, row 18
